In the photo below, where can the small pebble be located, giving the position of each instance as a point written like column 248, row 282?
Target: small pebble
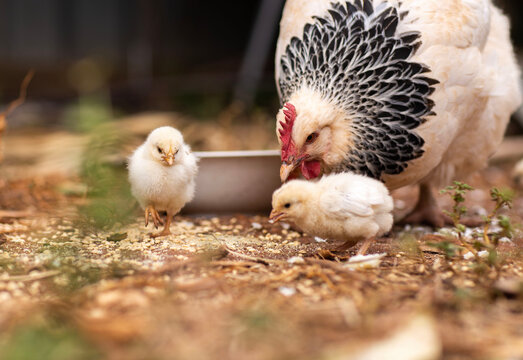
column 482, row 254
column 296, row 260
column 256, row 226
column 287, row 291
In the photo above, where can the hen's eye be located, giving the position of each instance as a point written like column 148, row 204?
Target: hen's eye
column 159, row 149
column 288, row 205
column 311, row 138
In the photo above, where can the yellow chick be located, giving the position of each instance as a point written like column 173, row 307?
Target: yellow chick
column 343, row 206
column 162, row 174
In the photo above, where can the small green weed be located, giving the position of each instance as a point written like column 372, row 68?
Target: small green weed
column 502, row 198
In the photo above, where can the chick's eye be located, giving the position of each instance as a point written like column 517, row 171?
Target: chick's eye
column 311, row 137
column 159, row 149
column 288, row 205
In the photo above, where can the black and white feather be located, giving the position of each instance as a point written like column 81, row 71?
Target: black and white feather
column 355, row 57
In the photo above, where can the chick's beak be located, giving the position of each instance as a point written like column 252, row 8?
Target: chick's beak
column 169, row 159
column 275, row 216
column 287, row 169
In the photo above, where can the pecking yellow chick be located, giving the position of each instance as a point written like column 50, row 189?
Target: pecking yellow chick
column 162, row 174
column 343, row 206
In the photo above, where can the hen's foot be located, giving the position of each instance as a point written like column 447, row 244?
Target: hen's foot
column 151, row 211
column 427, row 216
column 426, row 211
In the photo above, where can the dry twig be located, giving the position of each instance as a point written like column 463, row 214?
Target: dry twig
column 38, row 276
column 253, row 258
column 16, row 103
column 15, row 213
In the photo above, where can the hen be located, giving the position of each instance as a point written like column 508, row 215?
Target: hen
column 403, row 91
column 162, row 174
column 343, row 206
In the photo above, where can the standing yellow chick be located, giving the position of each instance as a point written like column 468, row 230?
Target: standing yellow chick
column 162, row 174
column 343, row 206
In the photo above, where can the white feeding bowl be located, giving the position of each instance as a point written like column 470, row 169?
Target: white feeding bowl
column 235, row 181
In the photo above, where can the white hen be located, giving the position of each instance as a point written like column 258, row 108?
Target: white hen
column 404, row 91
column 162, row 174
column 343, row 206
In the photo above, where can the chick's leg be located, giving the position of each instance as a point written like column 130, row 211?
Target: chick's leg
column 365, row 246
column 167, row 228
column 427, row 210
column 346, row 245
column 157, row 220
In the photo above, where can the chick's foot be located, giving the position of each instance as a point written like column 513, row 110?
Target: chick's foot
column 365, row 246
column 345, row 246
column 331, row 255
column 151, row 211
column 164, row 232
column 166, row 229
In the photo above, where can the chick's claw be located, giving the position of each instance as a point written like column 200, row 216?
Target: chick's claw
column 157, row 220
column 164, row 232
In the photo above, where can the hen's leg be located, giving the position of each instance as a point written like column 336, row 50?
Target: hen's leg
column 167, row 228
column 427, row 210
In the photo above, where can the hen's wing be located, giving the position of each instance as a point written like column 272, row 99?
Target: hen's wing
column 458, row 23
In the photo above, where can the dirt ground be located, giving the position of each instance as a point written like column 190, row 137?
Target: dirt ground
column 237, row 287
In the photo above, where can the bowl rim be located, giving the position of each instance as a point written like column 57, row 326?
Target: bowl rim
column 236, row 154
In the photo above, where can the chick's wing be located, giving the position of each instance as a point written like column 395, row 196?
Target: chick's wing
column 341, row 205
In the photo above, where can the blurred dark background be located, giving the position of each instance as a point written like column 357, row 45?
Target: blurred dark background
column 151, row 54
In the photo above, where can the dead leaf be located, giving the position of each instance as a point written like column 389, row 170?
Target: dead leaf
column 117, row 237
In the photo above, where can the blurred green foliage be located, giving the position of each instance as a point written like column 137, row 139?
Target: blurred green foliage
column 48, row 341
column 409, row 244
column 508, row 229
column 109, row 200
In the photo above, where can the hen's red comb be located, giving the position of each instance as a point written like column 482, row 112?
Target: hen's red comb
column 287, row 145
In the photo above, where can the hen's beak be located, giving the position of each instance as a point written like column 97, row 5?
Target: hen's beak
column 286, row 169
column 275, row 216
